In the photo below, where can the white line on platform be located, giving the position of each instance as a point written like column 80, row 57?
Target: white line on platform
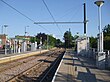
column 58, row 69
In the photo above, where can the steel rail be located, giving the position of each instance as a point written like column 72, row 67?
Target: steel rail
column 51, row 68
column 27, row 70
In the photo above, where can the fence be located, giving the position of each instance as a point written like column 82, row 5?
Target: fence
column 107, row 63
column 94, row 54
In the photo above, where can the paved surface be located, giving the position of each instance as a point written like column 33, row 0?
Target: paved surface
column 8, row 55
column 75, row 68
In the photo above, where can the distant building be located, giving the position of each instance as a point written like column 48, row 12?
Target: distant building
column 23, row 38
column 18, row 39
column 3, row 39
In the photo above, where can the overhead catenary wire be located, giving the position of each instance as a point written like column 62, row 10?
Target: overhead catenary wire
column 69, row 11
column 76, row 12
column 17, row 10
column 44, row 28
column 22, row 14
column 51, row 15
column 58, row 22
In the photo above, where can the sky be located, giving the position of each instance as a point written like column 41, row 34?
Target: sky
column 62, row 10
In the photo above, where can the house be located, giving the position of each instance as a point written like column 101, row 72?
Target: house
column 23, row 38
column 3, row 39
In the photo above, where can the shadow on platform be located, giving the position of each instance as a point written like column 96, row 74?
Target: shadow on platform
column 61, row 77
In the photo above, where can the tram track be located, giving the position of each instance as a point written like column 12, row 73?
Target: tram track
column 33, row 73
column 12, row 71
column 14, row 63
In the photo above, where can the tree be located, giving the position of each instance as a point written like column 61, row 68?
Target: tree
column 51, row 40
column 93, row 42
column 58, row 43
column 106, row 30
column 41, row 37
column 68, row 39
column 106, row 33
column 46, row 40
column 33, row 39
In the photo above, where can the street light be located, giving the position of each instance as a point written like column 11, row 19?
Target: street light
column 99, row 3
column 5, row 28
column 2, row 29
column 25, row 42
column 26, row 30
column 47, row 41
column 6, row 39
column 25, row 33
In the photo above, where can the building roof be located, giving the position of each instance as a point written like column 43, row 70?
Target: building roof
column 80, row 38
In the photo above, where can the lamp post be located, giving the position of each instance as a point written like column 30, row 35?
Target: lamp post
column 47, row 41
column 26, row 30
column 100, row 57
column 5, row 28
column 25, row 42
column 99, row 3
column 6, row 39
column 40, row 44
column 2, row 29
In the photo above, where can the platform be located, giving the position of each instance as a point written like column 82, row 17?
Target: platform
column 10, row 57
column 65, row 71
column 75, row 68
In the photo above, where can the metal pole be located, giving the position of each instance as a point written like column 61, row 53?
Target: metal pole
column 98, row 45
column 40, row 44
column 102, row 41
column 2, row 30
column 99, row 3
column 85, row 25
column 14, row 46
column 5, row 40
column 47, row 42
column 84, row 18
column 100, row 34
column 25, row 31
column 5, row 29
column 5, row 43
column 25, row 36
column 99, row 29
column 5, row 48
